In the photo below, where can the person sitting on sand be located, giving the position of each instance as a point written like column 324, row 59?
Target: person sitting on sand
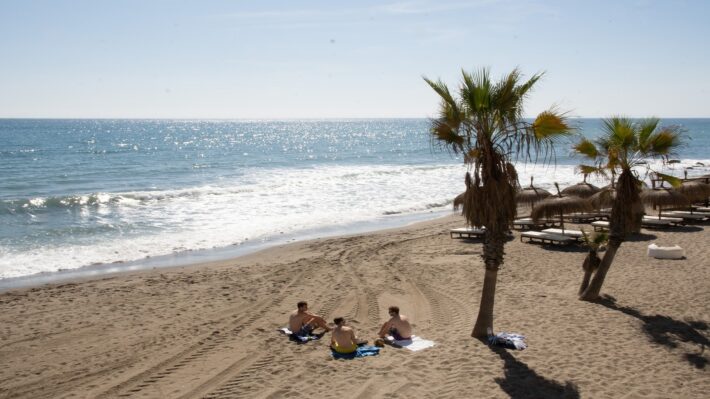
column 397, row 326
column 342, row 339
column 302, row 322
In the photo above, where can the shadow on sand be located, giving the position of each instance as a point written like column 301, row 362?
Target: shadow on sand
column 641, row 237
column 521, row 382
column 667, row 331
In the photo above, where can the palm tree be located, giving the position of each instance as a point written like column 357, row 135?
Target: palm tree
column 592, row 261
column 623, row 146
column 484, row 122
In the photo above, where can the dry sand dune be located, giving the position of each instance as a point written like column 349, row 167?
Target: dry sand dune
column 210, row 330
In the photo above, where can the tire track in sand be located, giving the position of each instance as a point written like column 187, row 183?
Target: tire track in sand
column 210, row 355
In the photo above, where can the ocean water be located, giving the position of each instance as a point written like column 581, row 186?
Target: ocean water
column 109, row 193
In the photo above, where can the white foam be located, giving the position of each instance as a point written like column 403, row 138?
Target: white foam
column 262, row 204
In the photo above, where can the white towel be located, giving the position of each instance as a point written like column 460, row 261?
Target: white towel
column 415, row 344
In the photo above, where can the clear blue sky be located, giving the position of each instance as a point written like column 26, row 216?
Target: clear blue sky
column 313, row 59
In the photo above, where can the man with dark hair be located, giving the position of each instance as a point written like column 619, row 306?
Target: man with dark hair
column 397, row 326
column 343, row 338
column 302, row 322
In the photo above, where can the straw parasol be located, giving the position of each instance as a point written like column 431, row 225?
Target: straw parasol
column 582, row 189
column 663, row 197
column 458, row 201
column 558, row 205
column 604, row 198
column 695, row 190
column 531, row 195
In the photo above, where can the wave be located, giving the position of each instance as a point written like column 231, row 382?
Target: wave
column 96, row 200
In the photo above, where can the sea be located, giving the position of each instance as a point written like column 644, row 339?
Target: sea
column 86, row 197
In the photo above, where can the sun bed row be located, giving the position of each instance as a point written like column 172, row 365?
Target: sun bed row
column 546, row 238
column 468, row 232
column 647, row 221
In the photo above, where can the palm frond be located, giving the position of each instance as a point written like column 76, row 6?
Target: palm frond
column 645, row 129
column 673, row 181
column 587, row 148
column 550, row 125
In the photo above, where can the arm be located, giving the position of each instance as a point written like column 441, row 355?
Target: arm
column 352, row 338
column 385, row 329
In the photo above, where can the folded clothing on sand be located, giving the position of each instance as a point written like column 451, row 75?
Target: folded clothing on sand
column 361, row 351
column 299, row 338
column 414, row 344
column 508, row 340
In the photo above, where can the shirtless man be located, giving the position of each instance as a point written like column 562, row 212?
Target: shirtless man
column 397, row 326
column 342, row 339
column 302, row 322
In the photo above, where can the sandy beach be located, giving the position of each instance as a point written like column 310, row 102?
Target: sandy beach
column 210, row 330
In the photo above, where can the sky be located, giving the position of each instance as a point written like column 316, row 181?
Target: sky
column 346, row 59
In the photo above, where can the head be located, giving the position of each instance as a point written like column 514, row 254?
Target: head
column 302, row 306
column 339, row 321
column 394, row 311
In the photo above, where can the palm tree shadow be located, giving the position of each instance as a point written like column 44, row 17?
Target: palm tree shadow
column 641, row 237
column 667, row 331
column 521, row 382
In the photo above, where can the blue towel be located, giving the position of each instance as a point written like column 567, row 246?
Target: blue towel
column 362, row 351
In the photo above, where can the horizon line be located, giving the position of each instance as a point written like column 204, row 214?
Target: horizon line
column 302, row 118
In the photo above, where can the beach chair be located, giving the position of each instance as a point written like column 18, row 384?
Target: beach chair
column 468, row 232
column 600, row 225
column 529, row 224
column 546, row 238
column 664, row 221
column 584, row 217
column 687, row 216
column 575, row 234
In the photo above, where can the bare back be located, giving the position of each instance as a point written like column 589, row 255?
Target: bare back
column 296, row 320
column 401, row 324
column 344, row 337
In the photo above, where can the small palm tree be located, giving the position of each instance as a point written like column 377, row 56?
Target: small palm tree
column 591, row 263
column 624, row 146
column 484, row 122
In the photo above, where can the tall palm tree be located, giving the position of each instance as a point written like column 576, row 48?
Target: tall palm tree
column 484, row 122
column 623, row 146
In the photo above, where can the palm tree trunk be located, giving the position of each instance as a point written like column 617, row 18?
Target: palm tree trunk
column 493, row 257
column 588, row 270
column 484, row 321
column 595, row 287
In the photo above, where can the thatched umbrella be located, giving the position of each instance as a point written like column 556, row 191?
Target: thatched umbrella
column 604, row 198
column 663, row 196
column 582, row 189
column 458, row 201
column 531, row 195
column 695, row 190
column 558, row 205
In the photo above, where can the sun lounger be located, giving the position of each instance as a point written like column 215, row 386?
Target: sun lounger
column 529, row 224
column 600, row 225
column 575, row 234
column 585, row 217
column 468, row 232
column 664, row 221
column 695, row 216
column 546, row 238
